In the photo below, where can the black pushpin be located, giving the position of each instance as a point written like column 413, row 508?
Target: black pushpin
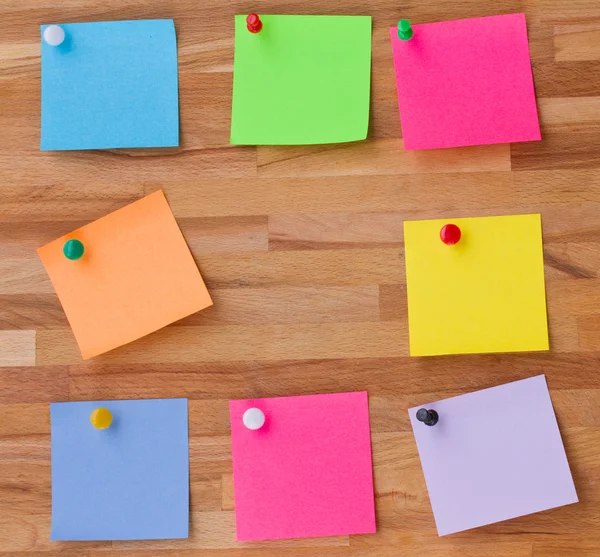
column 428, row 417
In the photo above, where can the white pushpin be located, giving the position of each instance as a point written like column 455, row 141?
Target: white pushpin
column 54, row 35
column 253, row 418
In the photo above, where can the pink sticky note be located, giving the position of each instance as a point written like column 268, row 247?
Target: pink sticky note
column 494, row 454
column 466, row 82
column 307, row 471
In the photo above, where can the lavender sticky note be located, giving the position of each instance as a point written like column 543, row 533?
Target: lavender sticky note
column 494, row 454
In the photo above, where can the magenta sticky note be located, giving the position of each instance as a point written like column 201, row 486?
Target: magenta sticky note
column 466, row 82
column 494, row 454
column 307, row 471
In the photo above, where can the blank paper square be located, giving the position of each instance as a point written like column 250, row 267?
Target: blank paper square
column 303, row 79
column 494, row 454
column 484, row 294
column 136, row 276
column 127, row 482
column 307, row 472
column 111, row 85
column 466, row 82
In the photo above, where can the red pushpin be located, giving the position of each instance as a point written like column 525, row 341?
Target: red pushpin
column 450, row 234
column 253, row 23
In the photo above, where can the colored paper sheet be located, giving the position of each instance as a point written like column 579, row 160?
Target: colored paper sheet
column 127, row 482
column 307, row 472
column 466, row 82
column 494, row 454
column 109, row 85
column 303, row 79
column 484, row 294
column 136, row 276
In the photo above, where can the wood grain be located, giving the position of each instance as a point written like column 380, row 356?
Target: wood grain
column 17, row 348
column 302, row 249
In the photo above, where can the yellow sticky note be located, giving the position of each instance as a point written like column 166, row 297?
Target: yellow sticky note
column 136, row 276
column 484, row 294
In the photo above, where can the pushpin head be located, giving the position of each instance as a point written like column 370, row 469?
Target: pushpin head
column 405, row 31
column 54, row 35
column 101, row 418
column 450, row 234
column 253, row 23
column 428, row 417
column 73, row 249
column 253, row 418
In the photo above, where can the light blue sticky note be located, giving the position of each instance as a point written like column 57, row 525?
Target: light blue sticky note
column 111, row 85
column 127, row 482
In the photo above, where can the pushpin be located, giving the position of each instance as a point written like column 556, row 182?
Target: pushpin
column 405, row 31
column 73, row 249
column 253, row 418
column 253, row 23
column 101, row 418
column 450, row 234
column 428, row 417
column 54, row 35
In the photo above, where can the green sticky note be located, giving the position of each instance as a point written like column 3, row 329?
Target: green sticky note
column 303, row 79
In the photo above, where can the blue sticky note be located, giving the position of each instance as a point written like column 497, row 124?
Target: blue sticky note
column 127, row 482
column 111, row 85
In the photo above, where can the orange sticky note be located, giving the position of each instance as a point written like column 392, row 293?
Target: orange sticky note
column 136, row 276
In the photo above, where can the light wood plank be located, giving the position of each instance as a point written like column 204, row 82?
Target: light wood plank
column 17, row 348
column 378, row 157
column 239, row 342
column 400, row 193
column 577, row 42
column 569, row 110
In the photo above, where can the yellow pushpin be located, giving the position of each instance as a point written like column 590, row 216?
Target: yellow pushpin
column 101, row 418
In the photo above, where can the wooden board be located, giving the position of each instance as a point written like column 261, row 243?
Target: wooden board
column 302, row 249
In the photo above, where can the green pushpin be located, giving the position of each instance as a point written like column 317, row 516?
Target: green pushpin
column 73, row 249
column 405, row 31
